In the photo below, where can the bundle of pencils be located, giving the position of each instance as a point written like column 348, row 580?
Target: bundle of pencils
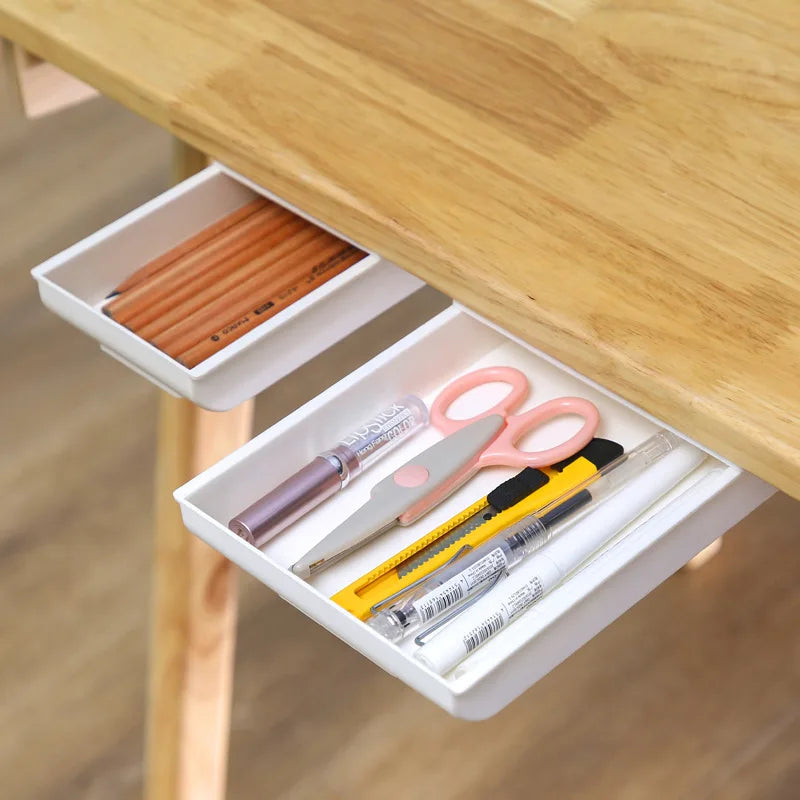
column 230, row 277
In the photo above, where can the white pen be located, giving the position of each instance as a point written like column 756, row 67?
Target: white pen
column 544, row 571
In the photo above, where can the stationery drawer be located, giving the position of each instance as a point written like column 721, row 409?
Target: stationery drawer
column 705, row 504
column 74, row 284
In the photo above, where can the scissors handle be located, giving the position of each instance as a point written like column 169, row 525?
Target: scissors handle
column 503, row 450
column 513, row 377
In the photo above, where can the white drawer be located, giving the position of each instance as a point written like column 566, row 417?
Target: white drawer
column 75, row 283
column 697, row 511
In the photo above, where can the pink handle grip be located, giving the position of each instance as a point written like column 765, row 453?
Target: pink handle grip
column 513, row 377
column 502, row 450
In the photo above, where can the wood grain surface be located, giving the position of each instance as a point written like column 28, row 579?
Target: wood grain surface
column 615, row 181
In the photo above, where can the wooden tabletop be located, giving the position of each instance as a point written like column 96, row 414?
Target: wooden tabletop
column 617, row 182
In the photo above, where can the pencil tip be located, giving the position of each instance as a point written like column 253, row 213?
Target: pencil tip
column 113, row 294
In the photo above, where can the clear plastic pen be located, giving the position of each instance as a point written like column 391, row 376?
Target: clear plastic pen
column 474, row 571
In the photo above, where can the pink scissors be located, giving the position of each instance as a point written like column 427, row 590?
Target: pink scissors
column 501, row 450
column 487, row 439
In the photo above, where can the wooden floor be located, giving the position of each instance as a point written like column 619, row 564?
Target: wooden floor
column 694, row 694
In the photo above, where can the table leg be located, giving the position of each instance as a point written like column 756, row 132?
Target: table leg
column 11, row 89
column 193, row 623
column 704, row 556
column 40, row 88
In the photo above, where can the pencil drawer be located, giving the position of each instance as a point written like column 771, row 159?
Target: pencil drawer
column 75, row 283
column 684, row 521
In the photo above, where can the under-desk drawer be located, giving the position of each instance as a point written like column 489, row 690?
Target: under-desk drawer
column 700, row 508
column 75, row 283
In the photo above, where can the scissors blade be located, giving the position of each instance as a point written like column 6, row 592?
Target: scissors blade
column 388, row 499
column 364, row 524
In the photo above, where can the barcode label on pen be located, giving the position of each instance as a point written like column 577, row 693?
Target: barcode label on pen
column 439, row 601
column 460, row 586
column 480, row 633
column 486, row 567
column 514, row 604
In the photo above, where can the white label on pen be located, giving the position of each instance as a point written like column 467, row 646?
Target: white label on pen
column 460, row 586
column 484, row 568
column 480, row 633
column 438, row 601
column 523, row 598
column 514, row 604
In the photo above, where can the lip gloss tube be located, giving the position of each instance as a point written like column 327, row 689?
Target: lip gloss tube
column 330, row 471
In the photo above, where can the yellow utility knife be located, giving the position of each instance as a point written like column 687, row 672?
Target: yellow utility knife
column 512, row 500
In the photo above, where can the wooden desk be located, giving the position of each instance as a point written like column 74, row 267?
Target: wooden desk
column 616, row 183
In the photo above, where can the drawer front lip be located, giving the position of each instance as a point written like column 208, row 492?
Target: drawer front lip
column 729, row 496
column 255, row 361
column 721, row 498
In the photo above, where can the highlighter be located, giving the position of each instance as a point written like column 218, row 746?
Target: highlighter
column 330, row 471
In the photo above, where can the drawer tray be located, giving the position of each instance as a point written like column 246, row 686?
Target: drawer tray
column 75, row 283
column 692, row 515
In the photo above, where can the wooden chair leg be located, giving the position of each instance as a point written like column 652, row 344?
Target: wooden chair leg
column 193, row 623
